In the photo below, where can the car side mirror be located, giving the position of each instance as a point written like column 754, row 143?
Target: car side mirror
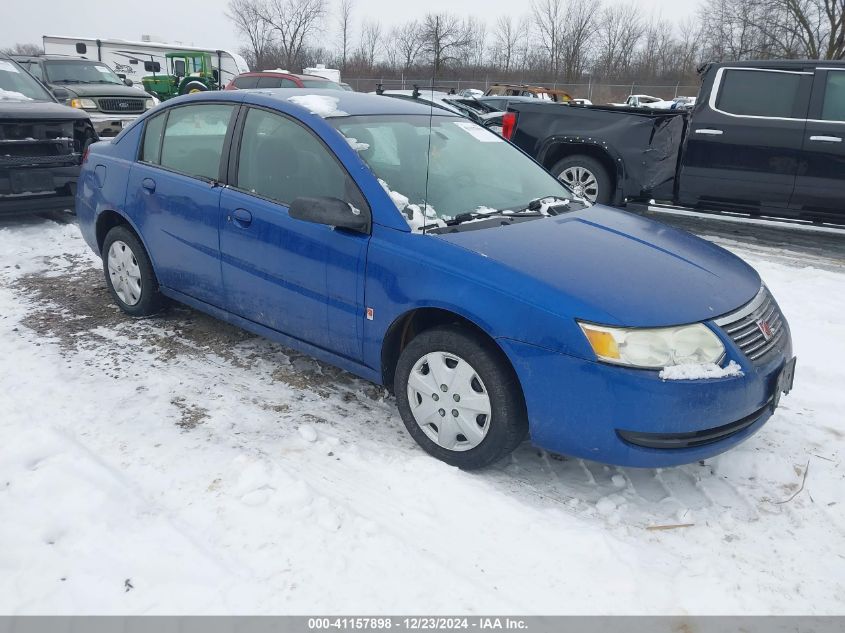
column 128, row 82
column 61, row 94
column 330, row 211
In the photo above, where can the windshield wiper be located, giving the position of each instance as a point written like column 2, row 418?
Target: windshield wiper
column 483, row 215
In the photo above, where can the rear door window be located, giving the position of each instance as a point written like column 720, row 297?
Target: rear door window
column 759, row 93
column 194, row 138
column 833, row 108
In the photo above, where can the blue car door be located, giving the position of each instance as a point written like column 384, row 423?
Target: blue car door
column 173, row 196
column 302, row 279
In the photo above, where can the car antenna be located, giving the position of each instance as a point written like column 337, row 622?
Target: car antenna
column 428, row 154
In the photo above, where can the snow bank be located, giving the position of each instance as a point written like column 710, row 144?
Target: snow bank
column 321, row 105
column 700, row 371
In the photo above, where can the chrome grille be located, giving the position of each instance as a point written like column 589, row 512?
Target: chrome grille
column 111, row 105
column 744, row 325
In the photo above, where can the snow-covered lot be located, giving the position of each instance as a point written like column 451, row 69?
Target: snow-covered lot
column 179, row 465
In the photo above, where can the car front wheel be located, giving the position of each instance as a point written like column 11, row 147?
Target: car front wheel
column 459, row 397
column 129, row 273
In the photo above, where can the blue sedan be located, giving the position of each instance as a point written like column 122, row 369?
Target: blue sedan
column 422, row 252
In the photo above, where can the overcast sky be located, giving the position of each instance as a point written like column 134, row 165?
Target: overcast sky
column 207, row 26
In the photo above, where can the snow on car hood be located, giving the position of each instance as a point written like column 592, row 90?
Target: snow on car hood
column 638, row 271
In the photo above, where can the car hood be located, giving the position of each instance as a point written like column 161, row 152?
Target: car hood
column 30, row 110
column 102, row 90
column 617, row 268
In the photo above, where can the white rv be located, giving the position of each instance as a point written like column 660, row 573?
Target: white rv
column 140, row 59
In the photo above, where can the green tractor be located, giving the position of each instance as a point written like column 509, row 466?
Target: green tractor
column 187, row 72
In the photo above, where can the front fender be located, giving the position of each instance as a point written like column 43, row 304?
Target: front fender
column 406, row 272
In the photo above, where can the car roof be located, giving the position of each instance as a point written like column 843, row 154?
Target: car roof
column 351, row 103
column 280, row 73
column 782, row 63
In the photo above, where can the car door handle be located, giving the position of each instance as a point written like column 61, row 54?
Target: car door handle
column 149, row 184
column 709, row 132
column 826, row 139
column 241, row 218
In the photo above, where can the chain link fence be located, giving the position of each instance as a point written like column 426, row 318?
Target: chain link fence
column 595, row 92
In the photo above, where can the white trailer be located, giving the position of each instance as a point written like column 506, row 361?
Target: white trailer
column 140, row 59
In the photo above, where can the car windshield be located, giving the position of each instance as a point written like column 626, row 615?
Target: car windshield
column 471, row 170
column 322, row 84
column 17, row 85
column 80, row 72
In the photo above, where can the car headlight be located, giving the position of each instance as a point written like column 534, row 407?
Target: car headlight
column 654, row 348
column 149, row 104
column 83, row 104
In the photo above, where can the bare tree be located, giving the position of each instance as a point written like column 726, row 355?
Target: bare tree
column 345, row 22
column 407, row 42
column 550, row 22
column 246, row 14
column 443, row 35
column 579, row 28
column 293, row 22
column 816, row 26
column 507, row 35
column 371, row 36
column 619, row 32
column 23, row 49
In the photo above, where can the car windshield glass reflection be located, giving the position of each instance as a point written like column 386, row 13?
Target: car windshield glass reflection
column 471, row 171
column 81, row 72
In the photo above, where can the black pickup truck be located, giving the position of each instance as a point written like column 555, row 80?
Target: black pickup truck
column 764, row 138
column 41, row 144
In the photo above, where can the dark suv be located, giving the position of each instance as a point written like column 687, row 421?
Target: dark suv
column 92, row 86
column 41, row 144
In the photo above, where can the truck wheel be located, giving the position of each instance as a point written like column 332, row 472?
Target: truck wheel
column 586, row 177
column 194, row 86
column 459, row 397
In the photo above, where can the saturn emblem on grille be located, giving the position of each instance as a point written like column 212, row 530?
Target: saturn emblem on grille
column 766, row 329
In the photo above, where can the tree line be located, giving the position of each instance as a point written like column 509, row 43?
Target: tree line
column 561, row 41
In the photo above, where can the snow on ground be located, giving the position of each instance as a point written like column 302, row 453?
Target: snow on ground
column 179, row 465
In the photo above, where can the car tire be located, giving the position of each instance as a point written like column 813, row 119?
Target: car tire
column 588, row 174
column 451, row 420
column 129, row 273
column 194, row 86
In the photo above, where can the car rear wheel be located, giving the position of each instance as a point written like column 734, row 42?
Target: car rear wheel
column 129, row 273
column 459, row 397
column 586, row 177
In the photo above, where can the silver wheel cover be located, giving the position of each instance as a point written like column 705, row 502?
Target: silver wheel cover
column 581, row 181
column 449, row 401
column 124, row 273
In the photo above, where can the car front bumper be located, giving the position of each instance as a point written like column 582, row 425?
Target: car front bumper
column 109, row 125
column 630, row 417
column 60, row 197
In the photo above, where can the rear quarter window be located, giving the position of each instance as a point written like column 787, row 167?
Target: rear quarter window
column 269, row 82
column 759, row 93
